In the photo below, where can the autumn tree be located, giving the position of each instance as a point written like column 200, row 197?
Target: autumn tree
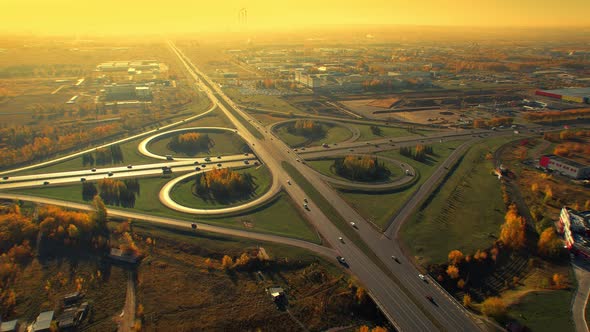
column 559, row 280
column 512, row 232
column 467, row 300
column 548, row 193
column 493, row 307
column 100, row 211
column 453, row 271
column 307, row 128
column 223, row 184
column 190, row 143
column 461, row 284
column 359, row 168
column 455, row 257
column 550, row 245
column 227, row 262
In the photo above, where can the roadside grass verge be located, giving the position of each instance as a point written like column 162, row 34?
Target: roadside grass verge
column 386, row 131
column 262, row 101
column 464, row 212
column 379, row 207
column 544, row 311
column 182, row 193
column 279, row 216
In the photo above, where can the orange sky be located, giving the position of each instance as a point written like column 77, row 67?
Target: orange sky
column 152, row 16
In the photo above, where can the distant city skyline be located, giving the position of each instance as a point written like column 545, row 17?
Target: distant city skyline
column 174, row 16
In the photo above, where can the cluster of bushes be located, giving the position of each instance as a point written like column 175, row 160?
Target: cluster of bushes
column 359, row 168
column 223, row 185
column 104, row 156
column 551, row 116
column 190, row 143
column 419, row 153
column 112, row 192
column 307, row 128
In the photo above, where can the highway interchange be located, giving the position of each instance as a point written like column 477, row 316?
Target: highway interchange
column 395, row 286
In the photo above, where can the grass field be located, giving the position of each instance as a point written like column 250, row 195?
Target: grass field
column 379, row 207
column 324, row 167
column 272, row 103
column 367, row 134
column 469, row 202
column 545, row 311
column 280, row 216
column 224, row 143
column 333, row 134
column 177, row 285
column 182, row 193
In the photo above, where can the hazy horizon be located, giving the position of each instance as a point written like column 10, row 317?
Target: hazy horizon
column 110, row 17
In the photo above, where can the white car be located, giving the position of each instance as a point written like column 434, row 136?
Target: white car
column 353, row 224
column 341, row 239
column 289, row 182
column 423, row 277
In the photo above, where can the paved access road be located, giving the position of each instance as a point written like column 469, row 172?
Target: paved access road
column 581, row 270
column 124, row 214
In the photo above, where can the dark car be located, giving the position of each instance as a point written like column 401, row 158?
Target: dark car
column 196, row 162
column 45, row 183
column 203, row 166
column 5, row 178
column 342, row 261
column 82, row 179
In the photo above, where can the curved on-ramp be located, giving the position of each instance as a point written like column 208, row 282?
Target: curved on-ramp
column 164, row 194
column 165, row 198
column 142, row 147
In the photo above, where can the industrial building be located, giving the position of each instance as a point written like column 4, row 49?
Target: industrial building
column 43, row 322
column 575, row 227
column 575, row 95
column 137, row 70
column 564, row 166
column 127, row 92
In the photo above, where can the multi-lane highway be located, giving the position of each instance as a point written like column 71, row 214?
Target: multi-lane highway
column 397, row 290
column 407, row 312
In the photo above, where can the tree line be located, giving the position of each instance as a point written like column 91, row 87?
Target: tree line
column 419, row 153
column 307, row 128
column 112, row 192
column 33, row 145
column 359, row 168
column 551, row 116
column 190, row 142
column 104, row 156
column 223, row 184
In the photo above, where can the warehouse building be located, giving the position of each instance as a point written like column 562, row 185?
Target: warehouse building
column 127, row 92
column 565, row 166
column 574, row 95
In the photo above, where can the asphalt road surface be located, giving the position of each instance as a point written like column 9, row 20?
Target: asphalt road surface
column 403, row 311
